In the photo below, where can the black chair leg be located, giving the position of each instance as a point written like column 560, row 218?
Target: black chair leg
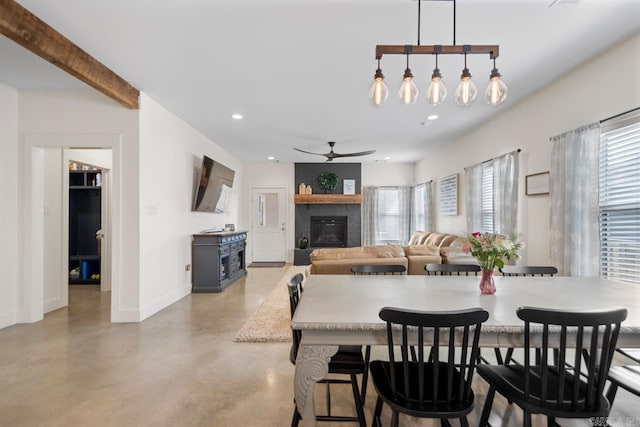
column 486, row 410
column 395, row 419
column 296, row 416
column 499, row 360
column 464, row 422
column 444, row 422
column 365, row 374
column 358, row 400
column 508, row 356
column 376, row 414
column 526, row 419
column 551, row 422
column 611, row 393
column 328, row 399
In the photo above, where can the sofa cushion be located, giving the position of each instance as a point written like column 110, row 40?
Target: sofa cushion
column 343, row 266
column 421, row 250
column 361, row 252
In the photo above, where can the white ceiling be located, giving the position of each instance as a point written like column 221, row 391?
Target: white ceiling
column 300, row 71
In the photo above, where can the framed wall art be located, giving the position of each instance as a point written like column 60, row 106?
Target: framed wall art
column 449, row 195
column 349, row 186
column 537, row 183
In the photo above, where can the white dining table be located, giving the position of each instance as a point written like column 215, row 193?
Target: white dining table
column 343, row 310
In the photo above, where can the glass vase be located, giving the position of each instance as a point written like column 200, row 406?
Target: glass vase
column 487, row 285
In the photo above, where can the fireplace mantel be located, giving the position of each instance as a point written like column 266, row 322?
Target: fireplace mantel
column 327, row 199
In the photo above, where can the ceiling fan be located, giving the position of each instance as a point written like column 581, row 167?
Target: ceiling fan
column 332, row 155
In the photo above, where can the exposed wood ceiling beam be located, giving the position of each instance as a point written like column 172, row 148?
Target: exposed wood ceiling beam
column 26, row 29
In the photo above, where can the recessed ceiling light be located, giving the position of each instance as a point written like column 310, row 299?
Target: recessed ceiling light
column 271, row 158
column 432, row 117
column 387, row 158
column 236, row 116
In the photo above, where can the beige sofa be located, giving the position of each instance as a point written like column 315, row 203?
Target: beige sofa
column 423, row 248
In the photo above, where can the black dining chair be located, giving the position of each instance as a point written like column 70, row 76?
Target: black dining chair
column 626, row 376
column 368, row 269
column 347, row 361
column 428, row 387
column 551, row 387
column 528, row 270
column 451, row 269
column 515, row 271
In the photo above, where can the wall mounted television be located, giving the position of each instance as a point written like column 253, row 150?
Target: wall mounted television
column 213, row 191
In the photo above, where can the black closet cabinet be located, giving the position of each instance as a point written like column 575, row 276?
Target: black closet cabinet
column 84, row 220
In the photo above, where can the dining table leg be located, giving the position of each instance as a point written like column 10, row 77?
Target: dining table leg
column 312, row 365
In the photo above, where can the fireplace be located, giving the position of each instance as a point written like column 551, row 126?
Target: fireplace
column 328, row 232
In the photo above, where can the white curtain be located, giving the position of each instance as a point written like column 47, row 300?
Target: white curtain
column 369, row 215
column 573, row 182
column 429, row 207
column 422, row 207
column 404, row 219
column 473, row 197
column 505, row 194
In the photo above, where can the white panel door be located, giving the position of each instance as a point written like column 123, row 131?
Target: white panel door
column 268, row 227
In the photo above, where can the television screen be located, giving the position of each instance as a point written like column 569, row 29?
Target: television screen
column 213, row 192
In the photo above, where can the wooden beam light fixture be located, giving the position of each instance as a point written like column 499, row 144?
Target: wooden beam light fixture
column 495, row 93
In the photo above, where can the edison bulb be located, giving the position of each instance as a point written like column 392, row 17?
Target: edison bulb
column 379, row 91
column 496, row 91
column 437, row 91
column 408, row 92
column 466, row 91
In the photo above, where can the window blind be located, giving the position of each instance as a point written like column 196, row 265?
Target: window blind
column 487, row 198
column 418, row 220
column 619, row 198
column 388, row 216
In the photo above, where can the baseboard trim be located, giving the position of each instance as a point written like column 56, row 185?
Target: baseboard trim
column 132, row 316
column 8, row 319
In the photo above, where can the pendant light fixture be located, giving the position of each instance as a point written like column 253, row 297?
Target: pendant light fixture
column 379, row 91
column 436, row 93
column 408, row 92
column 496, row 92
column 466, row 91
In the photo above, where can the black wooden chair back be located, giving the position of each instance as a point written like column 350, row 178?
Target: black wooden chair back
column 378, row 269
column 529, row 270
column 593, row 333
column 295, row 289
column 451, row 269
column 557, row 386
column 429, row 387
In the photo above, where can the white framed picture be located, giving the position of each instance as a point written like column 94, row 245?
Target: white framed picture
column 537, row 183
column 449, row 195
column 349, row 186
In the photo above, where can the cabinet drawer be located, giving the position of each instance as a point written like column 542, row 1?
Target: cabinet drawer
column 225, row 249
column 237, row 246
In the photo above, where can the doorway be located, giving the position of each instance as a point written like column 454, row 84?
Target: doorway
column 46, row 232
column 268, row 225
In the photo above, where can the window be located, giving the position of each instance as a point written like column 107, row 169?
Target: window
column 487, row 198
column 619, row 198
column 388, row 216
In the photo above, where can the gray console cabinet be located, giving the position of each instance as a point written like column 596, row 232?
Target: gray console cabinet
column 218, row 260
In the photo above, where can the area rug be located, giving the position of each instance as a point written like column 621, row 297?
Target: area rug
column 266, row 264
column 272, row 320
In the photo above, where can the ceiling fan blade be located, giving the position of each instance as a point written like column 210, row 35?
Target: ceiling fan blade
column 309, row 152
column 361, row 153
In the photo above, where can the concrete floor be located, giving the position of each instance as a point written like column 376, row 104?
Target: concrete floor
column 177, row 368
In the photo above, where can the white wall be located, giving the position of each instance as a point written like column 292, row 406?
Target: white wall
column 9, row 248
column 67, row 118
column 383, row 174
column 604, row 86
column 53, row 292
column 170, row 152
